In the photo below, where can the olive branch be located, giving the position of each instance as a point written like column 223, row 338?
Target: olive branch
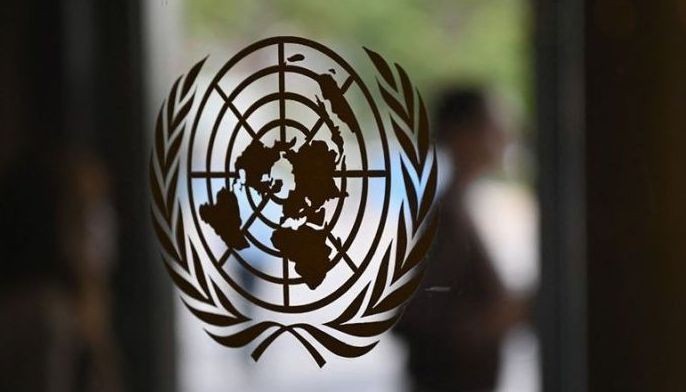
column 396, row 280
column 166, row 212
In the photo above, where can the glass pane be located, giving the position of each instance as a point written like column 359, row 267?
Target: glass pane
column 469, row 325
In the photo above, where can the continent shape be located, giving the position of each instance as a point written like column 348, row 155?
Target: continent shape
column 224, row 217
column 313, row 168
column 306, row 247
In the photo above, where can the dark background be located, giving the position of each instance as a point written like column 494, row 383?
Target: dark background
column 611, row 102
column 72, row 80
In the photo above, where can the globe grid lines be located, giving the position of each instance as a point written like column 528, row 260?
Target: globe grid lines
column 257, row 209
column 243, row 123
column 344, row 174
column 282, row 96
column 282, row 122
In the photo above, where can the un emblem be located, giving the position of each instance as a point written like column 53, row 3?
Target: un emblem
column 283, row 205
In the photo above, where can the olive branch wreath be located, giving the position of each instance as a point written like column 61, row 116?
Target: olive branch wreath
column 396, row 280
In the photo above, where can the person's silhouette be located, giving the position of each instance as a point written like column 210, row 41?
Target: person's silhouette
column 455, row 323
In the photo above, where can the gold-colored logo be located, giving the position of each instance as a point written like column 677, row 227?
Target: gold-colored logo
column 305, row 216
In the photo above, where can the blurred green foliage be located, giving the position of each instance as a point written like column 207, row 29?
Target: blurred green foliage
column 484, row 42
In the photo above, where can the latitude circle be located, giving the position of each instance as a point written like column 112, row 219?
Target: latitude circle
column 387, row 176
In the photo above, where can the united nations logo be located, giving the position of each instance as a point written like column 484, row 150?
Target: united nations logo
column 283, row 205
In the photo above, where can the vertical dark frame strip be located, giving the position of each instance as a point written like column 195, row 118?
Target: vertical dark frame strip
column 636, row 194
column 559, row 41
column 105, row 113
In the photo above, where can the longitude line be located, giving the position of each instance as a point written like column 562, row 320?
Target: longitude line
column 346, row 84
column 234, row 109
column 241, row 119
column 315, row 128
column 286, row 299
column 360, row 173
column 222, row 260
column 213, row 174
column 339, row 248
column 282, row 92
column 253, row 216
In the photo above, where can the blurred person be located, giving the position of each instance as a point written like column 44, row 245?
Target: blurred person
column 56, row 233
column 455, row 324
